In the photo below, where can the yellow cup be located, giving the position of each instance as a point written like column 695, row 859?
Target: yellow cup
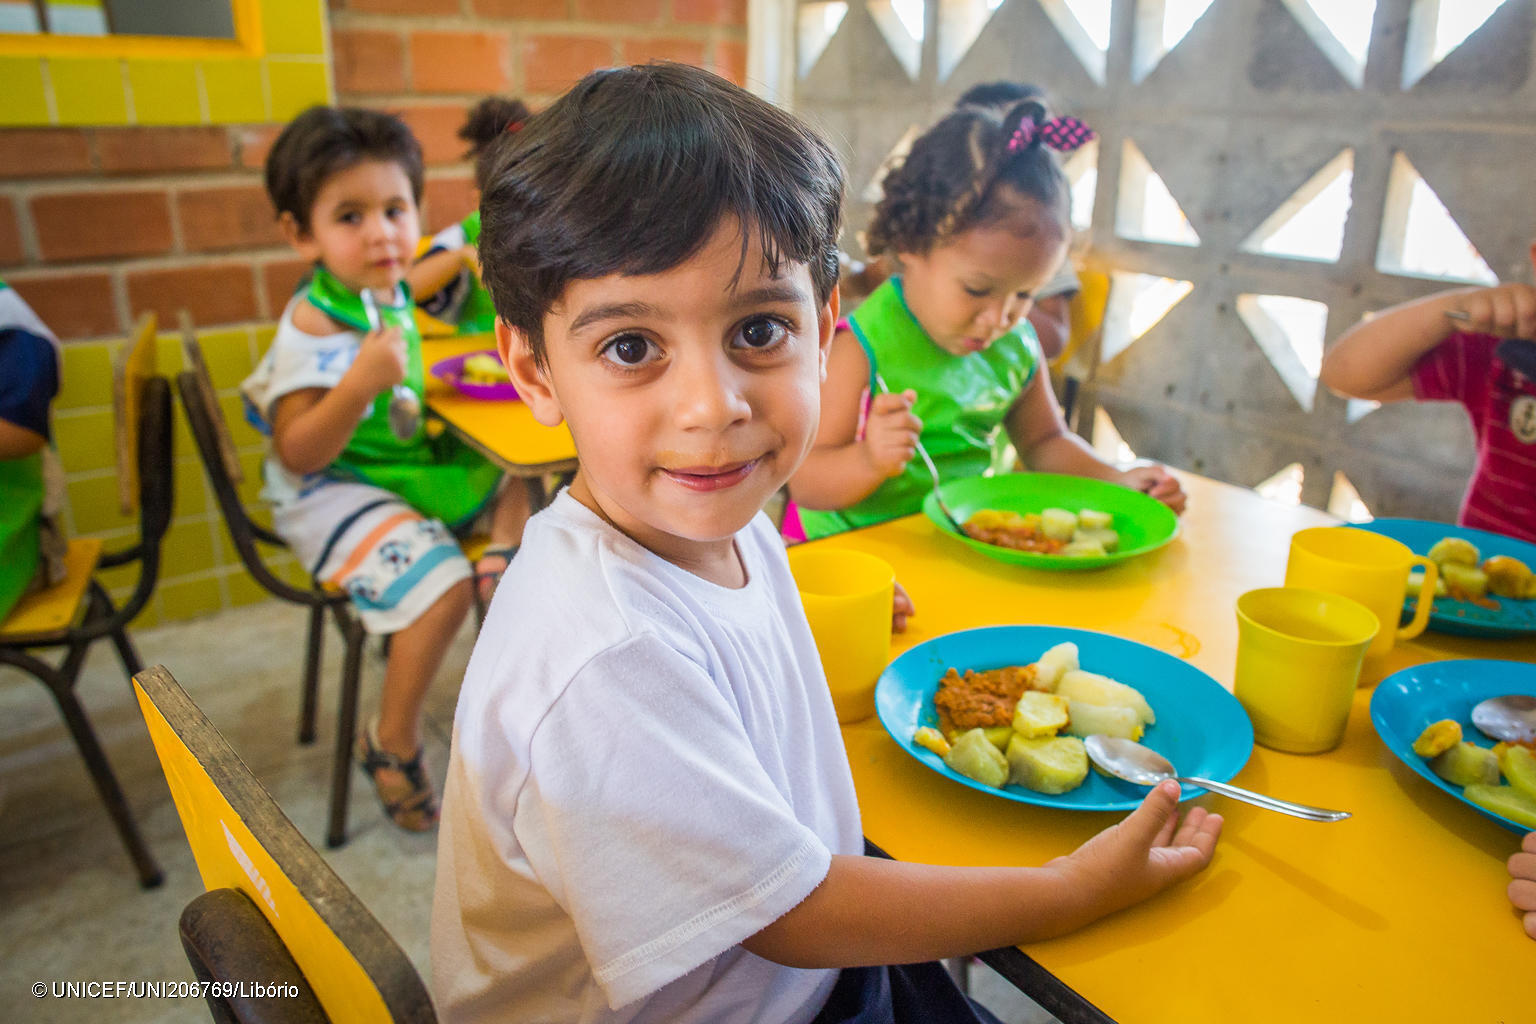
column 847, row 598
column 1298, row 658
column 1369, row 568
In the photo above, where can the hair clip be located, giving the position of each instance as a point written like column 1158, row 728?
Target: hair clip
column 514, row 126
column 1063, row 134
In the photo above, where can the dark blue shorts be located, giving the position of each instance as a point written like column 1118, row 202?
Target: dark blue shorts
column 922, row 993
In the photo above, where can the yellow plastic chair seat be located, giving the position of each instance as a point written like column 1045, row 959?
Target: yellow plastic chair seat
column 45, row 614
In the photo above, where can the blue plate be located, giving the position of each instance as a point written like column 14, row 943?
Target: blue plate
column 1406, row 702
column 1200, row 727
column 1512, row 618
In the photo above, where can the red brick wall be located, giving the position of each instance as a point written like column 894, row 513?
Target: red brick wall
column 99, row 224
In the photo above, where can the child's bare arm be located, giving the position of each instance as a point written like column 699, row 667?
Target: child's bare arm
column 17, row 442
column 871, row 911
column 1045, row 444
column 1375, row 358
column 432, row 272
column 842, row 469
column 311, row 427
column 1522, row 885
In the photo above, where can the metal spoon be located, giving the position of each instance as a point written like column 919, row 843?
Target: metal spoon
column 1510, row 718
column 1145, row 767
column 404, row 405
column 932, row 469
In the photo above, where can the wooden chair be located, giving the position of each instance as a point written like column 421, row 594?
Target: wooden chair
column 274, row 911
column 216, row 450
column 77, row 612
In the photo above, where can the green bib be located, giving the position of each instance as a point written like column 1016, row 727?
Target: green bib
column 962, row 401
column 438, row 476
column 479, row 313
column 21, row 508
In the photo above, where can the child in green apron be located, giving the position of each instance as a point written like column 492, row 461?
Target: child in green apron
column 446, row 280
column 366, row 498
column 30, row 546
column 977, row 219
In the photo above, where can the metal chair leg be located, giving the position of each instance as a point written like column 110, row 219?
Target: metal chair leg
column 346, row 726
column 132, row 663
column 312, row 653
column 96, row 763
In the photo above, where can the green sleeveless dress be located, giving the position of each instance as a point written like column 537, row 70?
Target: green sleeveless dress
column 479, row 313
column 439, row 476
column 962, row 401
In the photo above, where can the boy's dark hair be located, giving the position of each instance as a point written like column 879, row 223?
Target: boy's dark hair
column 491, row 120
column 957, row 177
column 323, row 141
column 632, row 170
column 999, row 94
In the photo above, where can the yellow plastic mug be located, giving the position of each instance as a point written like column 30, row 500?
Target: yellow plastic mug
column 1298, row 657
column 1369, row 568
column 847, row 598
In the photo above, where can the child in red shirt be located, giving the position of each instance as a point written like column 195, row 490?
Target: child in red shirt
column 1460, row 346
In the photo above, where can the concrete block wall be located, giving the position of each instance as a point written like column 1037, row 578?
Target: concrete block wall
column 1240, row 114
column 101, row 222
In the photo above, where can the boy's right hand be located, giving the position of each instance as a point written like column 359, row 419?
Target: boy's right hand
column 1506, row 310
column 1144, row 854
column 381, row 360
column 891, row 432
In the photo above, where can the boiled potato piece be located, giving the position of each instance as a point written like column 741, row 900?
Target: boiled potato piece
column 998, row 735
column 1083, row 549
column 974, row 756
column 485, row 369
column 1106, row 538
column 1058, row 524
column 1092, row 688
column 1468, row 579
column 1438, row 737
column 1466, row 764
column 1519, row 767
column 1093, row 519
column 1507, row 577
column 1055, row 663
column 1505, row 800
column 1416, row 584
column 1047, row 764
column 1086, row 719
column 1039, row 714
column 928, row 736
column 1453, row 550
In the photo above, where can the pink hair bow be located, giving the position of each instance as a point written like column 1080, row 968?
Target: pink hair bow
column 1063, row 134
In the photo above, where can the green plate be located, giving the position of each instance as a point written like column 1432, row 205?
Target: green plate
column 1144, row 524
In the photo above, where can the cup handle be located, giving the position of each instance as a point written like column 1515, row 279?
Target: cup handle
column 1426, row 599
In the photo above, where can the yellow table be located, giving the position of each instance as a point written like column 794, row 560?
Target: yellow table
column 1398, row 914
column 504, row 432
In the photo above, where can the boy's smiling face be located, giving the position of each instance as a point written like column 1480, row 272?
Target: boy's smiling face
column 692, row 394
column 363, row 226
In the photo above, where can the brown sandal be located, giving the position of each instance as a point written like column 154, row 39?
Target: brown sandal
column 411, row 805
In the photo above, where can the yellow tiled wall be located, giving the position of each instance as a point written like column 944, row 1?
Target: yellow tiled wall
column 275, row 69
column 200, row 570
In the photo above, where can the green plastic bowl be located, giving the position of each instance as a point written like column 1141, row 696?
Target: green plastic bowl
column 1144, row 524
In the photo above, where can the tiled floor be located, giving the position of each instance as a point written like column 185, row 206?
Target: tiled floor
column 70, row 906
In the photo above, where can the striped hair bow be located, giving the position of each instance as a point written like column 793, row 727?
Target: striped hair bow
column 1063, row 134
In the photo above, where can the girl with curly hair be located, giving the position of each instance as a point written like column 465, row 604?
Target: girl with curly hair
column 976, row 219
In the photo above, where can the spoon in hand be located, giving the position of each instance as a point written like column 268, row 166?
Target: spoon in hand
column 933, row 471
column 1511, row 718
column 404, row 406
column 1133, row 762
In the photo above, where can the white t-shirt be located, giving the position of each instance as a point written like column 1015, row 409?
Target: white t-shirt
column 646, row 770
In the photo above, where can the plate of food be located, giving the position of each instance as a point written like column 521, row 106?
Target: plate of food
column 1424, row 716
column 1481, row 575
column 1041, row 688
column 1050, row 521
column 477, row 375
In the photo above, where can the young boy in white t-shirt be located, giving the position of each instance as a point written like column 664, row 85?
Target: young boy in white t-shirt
column 649, row 814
